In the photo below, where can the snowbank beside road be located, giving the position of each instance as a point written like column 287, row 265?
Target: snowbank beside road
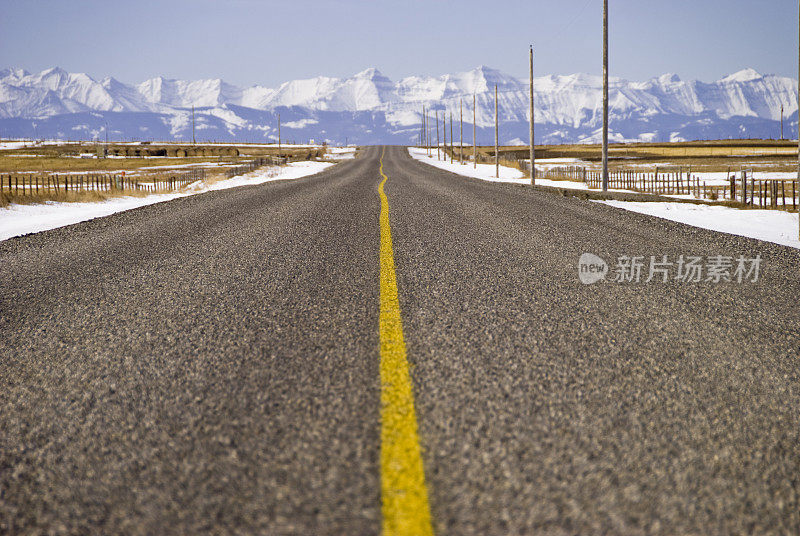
column 341, row 153
column 774, row 226
column 769, row 225
column 16, row 219
column 481, row 171
column 507, row 174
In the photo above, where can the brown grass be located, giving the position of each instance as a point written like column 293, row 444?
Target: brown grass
column 88, row 195
column 54, row 164
column 64, row 158
column 718, row 155
column 60, row 164
column 70, row 197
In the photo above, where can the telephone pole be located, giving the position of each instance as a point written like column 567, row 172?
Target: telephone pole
column 425, row 129
column 193, row 142
column 474, row 137
column 605, row 95
column 422, row 128
column 428, row 133
column 781, row 121
column 452, row 144
column 461, row 128
column 444, row 135
column 532, row 155
column 430, row 136
column 279, row 134
column 496, row 137
column 438, row 156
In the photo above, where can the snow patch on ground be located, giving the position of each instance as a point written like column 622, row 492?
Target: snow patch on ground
column 13, row 144
column 774, row 226
column 341, row 153
column 510, row 175
column 16, row 220
column 549, row 163
column 294, row 170
column 769, row 225
column 481, row 171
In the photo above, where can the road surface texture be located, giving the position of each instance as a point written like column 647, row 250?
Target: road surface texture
column 212, row 365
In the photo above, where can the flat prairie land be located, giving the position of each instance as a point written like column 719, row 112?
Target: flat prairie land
column 710, row 156
column 80, row 157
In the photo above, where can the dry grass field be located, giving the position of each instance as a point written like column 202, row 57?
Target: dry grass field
column 73, row 172
column 65, row 158
column 702, row 170
column 705, row 156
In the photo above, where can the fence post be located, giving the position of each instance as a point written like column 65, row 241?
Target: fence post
column 744, row 187
column 783, row 193
column 655, row 180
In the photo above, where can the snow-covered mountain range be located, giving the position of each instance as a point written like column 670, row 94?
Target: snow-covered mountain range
column 370, row 108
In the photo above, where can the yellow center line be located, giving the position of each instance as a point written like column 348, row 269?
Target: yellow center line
column 403, row 492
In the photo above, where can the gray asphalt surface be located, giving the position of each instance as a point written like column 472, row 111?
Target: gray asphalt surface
column 210, row 364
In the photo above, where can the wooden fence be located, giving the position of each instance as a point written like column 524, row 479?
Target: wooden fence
column 46, row 185
column 253, row 165
column 741, row 186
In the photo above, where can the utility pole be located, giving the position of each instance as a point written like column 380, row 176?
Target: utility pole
column 474, row 137
column 605, row 95
column 461, row 128
column 532, row 155
column 444, row 133
column 781, row 121
column 496, row 137
column 279, row 134
column 452, row 144
column 438, row 157
column 425, row 132
column 445, row 137
column 422, row 128
column 428, row 133
column 193, row 142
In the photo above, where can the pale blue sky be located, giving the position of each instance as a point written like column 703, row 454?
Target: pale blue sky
column 264, row 42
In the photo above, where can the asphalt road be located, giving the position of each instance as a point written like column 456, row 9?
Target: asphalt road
column 211, row 364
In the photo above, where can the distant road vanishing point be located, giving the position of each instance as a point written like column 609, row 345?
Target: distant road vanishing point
column 320, row 357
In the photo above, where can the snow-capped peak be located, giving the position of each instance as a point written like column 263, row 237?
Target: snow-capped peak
column 669, row 78
column 13, row 74
column 565, row 104
column 369, row 74
column 745, row 75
